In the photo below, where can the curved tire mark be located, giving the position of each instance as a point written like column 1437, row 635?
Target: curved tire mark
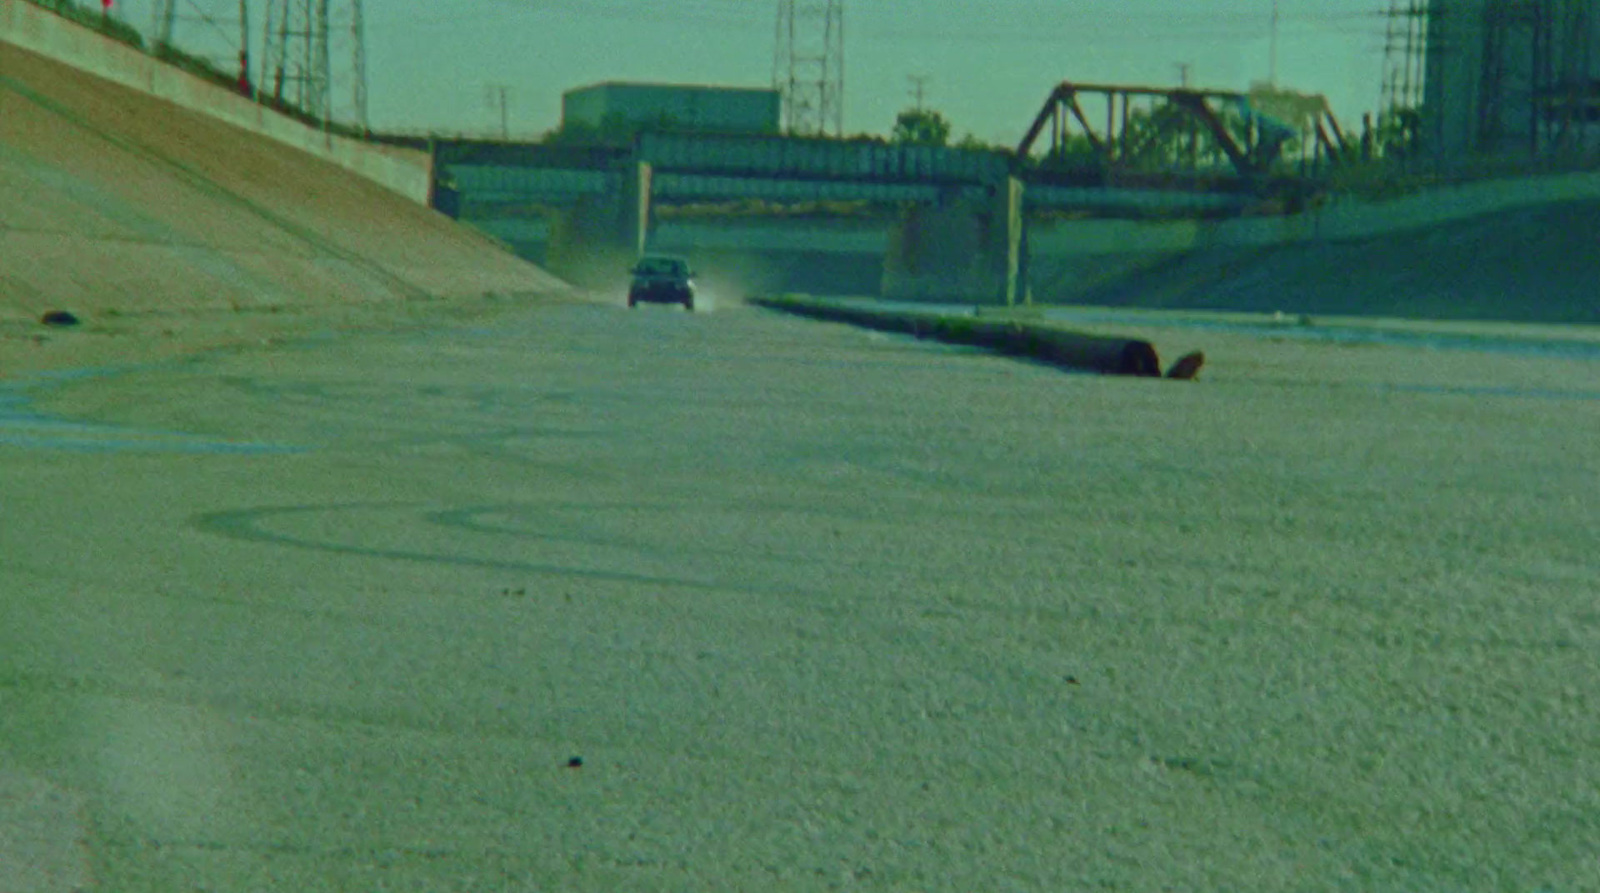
column 249, row 525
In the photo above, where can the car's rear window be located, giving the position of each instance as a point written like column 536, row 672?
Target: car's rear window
column 662, row 266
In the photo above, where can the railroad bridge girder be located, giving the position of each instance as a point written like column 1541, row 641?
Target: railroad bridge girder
column 1214, row 134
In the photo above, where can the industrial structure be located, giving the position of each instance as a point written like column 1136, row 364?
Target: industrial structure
column 1510, row 78
column 627, row 108
column 313, row 52
column 808, row 66
column 1155, row 137
column 1403, row 57
column 300, row 37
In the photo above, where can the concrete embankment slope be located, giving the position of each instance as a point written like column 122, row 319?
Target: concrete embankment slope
column 29, row 26
column 1536, row 263
column 115, row 202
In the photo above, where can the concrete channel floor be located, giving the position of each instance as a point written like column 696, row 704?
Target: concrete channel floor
column 816, row 609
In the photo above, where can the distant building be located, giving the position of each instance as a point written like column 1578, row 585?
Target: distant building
column 631, row 107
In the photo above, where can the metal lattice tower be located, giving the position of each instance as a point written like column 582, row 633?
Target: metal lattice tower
column 214, row 31
column 808, row 66
column 1405, row 42
column 302, row 38
column 297, row 56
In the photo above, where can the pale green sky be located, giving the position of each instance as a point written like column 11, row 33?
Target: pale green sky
column 989, row 64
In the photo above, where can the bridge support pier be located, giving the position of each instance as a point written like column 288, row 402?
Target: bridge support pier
column 960, row 250
column 594, row 243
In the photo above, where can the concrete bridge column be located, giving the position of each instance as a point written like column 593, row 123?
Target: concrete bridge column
column 960, row 250
column 593, row 243
column 1013, row 250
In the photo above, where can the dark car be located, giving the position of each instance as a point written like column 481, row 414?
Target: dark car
column 659, row 279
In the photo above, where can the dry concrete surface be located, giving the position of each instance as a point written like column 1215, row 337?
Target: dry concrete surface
column 331, row 560
column 584, row 598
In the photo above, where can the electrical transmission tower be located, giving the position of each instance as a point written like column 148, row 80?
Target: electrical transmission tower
column 301, row 39
column 298, row 59
column 808, row 66
column 215, row 31
column 1405, row 41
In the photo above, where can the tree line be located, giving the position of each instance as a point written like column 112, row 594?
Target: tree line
column 1156, row 136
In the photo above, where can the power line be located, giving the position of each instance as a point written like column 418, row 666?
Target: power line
column 1004, row 24
column 696, row 16
column 216, row 31
column 1133, row 34
column 1054, row 27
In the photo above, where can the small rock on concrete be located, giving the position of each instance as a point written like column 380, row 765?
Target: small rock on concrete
column 1187, row 366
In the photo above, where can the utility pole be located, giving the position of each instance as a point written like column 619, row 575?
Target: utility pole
column 1189, row 125
column 247, row 84
column 498, row 97
column 1272, row 63
column 358, row 39
column 164, row 19
column 918, row 84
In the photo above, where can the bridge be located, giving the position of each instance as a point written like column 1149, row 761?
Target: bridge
column 956, row 217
